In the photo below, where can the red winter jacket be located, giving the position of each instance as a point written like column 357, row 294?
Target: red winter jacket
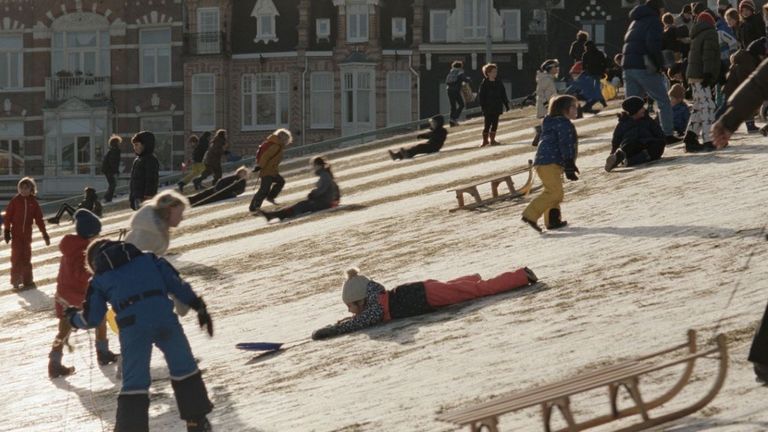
column 20, row 213
column 72, row 282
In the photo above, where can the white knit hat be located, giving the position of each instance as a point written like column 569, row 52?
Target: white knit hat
column 355, row 287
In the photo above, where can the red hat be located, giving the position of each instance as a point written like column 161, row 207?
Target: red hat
column 576, row 69
column 706, row 17
column 747, row 3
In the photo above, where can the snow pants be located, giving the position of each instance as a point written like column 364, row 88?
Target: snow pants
column 423, row 148
column 702, row 113
column 193, row 171
column 457, row 103
column 270, row 187
column 551, row 176
column 471, row 287
column 21, row 261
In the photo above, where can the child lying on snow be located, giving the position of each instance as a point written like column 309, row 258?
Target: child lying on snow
column 371, row 304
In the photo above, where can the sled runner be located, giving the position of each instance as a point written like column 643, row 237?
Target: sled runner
column 625, row 374
column 506, row 179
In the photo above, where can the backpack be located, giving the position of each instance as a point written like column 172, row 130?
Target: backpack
column 453, row 76
column 262, row 148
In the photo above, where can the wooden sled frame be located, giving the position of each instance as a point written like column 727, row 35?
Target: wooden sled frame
column 626, row 374
column 471, row 189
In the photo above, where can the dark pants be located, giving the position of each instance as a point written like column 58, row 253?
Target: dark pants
column 209, row 169
column 758, row 353
column 65, row 208
column 457, row 103
column 633, row 149
column 112, row 182
column 423, row 148
column 270, row 188
column 491, row 123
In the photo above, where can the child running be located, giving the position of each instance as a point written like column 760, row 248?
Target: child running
column 19, row 215
column 268, row 159
column 71, row 285
column 371, row 304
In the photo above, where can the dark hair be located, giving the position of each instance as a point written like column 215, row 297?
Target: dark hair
column 558, row 104
column 668, row 19
column 319, row 161
column 206, row 136
column 90, row 192
column 458, row 64
column 144, row 137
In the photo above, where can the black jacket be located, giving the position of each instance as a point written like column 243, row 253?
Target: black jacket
column 644, row 131
column 492, row 97
column 92, row 205
column 198, row 153
column 145, row 174
column 750, row 29
column 233, row 184
column 435, row 137
column 577, row 49
column 111, row 163
column 594, row 62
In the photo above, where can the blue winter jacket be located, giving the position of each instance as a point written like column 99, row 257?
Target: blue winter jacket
column 644, row 130
column 586, row 88
column 680, row 116
column 558, row 142
column 136, row 284
column 643, row 38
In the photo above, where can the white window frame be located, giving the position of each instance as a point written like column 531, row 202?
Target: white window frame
column 11, row 131
column 324, row 23
column 208, row 40
column 432, row 15
column 155, row 48
column 474, row 27
column 251, row 97
column 102, row 53
column 325, row 104
column 262, row 34
column 194, row 105
column 393, row 92
column 359, row 14
column 591, row 27
column 8, row 53
column 513, row 14
column 399, row 28
column 357, row 81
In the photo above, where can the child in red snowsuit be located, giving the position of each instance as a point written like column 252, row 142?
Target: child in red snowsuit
column 71, row 286
column 371, row 304
column 19, row 215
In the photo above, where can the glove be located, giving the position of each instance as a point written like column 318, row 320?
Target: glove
column 46, row 239
column 256, row 168
column 706, row 79
column 571, row 170
column 7, row 236
column 202, row 315
column 324, row 333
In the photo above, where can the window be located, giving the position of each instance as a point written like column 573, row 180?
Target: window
column 438, row 25
column 12, row 148
column 398, row 28
column 208, row 33
column 162, row 127
column 155, row 56
column 475, row 18
column 265, row 101
column 265, row 13
column 11, row 61
column 78, row 53
column 265, row 28
column 597, row 31
column 321, row 100
column 203, row 102
column 511, row 24
column 398, row 98
column 357, row 23
column 323, row 28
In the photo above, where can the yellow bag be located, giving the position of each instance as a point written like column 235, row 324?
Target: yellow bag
column 466, row 93
column 111, row 321
column 608, row 90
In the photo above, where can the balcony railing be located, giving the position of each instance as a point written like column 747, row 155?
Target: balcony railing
column 58, row 89
column 204, row 43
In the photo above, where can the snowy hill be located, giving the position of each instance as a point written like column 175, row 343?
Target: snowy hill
column 648, row 253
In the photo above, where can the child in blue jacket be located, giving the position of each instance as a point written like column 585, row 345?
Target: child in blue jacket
column 557, row 151
column 137, row 286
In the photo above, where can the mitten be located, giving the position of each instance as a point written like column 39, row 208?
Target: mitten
column 571, row 170
column 46, row 239
column 7, row 235
column 202, row 315
column 324, row 333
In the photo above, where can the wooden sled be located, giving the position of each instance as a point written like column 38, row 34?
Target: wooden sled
column 484, row 416
column 471, row 189
column 121, row 232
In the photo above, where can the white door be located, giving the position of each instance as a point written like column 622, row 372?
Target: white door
column 208, row 30
column 358, row 101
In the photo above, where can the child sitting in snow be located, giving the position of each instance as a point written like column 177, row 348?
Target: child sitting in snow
column 228, row 187
column 435, row 140
column 90, row 202
column 137, row 286
column 637, row 138
column 681, row 112
column 371, row 304
column 71, row 285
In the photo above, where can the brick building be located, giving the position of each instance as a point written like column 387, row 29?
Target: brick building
column 74, row 72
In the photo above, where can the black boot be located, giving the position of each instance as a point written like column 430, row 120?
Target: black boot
column 536, row 137
column 199, row 425
column 554, row 220
column 181, row 185
column 192, row 400
column 106, row 357
column 532, row 278
column 761, row 372
column 589, row 110
column 614, row 160
column 56, row 369
column 132, row 413
column 393, row 155
column 533, row 224
column 692, row 144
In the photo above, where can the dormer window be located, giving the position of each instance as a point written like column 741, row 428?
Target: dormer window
column 398, row 28
column 265, row 13
column 323, row 28
column 357, row 23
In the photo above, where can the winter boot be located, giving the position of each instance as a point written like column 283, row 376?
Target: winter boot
column 692, row 143
column 638, row 158
column 106, row 357
column 579, row 112
column 533, row 224
column 536, row 137
column 614, row 160
column 671, row 139
column 532, row 278
column 181, row 185
column 485, row 140
column 132, row 413
column 453, row 122
column 589, row 110
column 492, row 139
column 199, row 425
column 55, row 368
column 53, row 220
column 394, row 155
column 554, row 220
column 761, row 372
column 192, row 400
column 751, row 128
column 198, row 184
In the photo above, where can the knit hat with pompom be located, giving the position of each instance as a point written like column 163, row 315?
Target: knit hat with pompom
column 355, row 287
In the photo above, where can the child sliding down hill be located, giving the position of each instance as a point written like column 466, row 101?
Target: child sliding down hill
column 435, row 140
column 371, row 304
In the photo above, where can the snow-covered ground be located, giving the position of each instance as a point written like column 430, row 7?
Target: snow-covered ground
column 648, row 253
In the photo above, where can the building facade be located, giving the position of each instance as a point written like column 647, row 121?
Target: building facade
column 74, row 72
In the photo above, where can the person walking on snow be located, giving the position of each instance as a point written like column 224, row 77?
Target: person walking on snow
column 110, row 166
column 371, row 304
column 555, row 154
column 71, row 286
column 545, row 90
column 212, row 159
column 138, row 285
column 145, row 172
column 268, row 159
column 493, row 100
column 453, row 82
column 22, row 210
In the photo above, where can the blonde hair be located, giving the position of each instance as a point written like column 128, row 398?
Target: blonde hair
column 488, row 68
column 115, row 140
column 284, row 135
column 167, row 199
column 241, row 170
column 27, row 181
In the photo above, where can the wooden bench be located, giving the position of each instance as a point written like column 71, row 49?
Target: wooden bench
column 506, row 179
column 484, row 416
